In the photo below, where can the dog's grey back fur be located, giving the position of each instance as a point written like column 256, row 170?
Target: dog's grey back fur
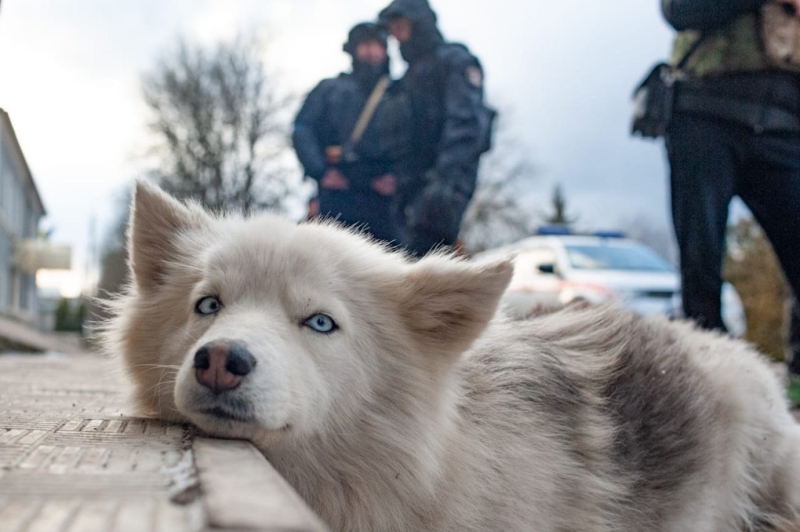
column 648, row 425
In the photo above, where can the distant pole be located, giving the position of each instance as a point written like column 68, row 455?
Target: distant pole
column 89, row 266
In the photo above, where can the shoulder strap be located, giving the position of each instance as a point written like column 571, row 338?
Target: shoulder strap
column 369, row 110
column 692, row 49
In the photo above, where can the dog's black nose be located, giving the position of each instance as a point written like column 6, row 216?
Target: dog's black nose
column 220, row 366
column 202, row 359
column 239, row 360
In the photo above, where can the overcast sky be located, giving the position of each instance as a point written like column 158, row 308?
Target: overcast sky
column 561, row 71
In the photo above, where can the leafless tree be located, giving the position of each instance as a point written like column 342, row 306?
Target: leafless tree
column 114, row 253
column 659, row 237
column 220, row 126
column 753, row 269
column 559, row 214
column 498, row 213
column 113, row 274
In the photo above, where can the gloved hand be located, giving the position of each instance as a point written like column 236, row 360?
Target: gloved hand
column 438, row 209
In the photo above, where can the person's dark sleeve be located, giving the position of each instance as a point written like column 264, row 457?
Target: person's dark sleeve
column 306, row 132
column 705, row 14
column 463, row 101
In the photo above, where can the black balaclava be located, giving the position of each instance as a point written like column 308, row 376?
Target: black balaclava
column 425, row 36
column 367, row 75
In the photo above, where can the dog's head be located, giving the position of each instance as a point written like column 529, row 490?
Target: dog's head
column 261, row 327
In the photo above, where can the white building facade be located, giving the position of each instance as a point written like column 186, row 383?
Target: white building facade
column 21, row 209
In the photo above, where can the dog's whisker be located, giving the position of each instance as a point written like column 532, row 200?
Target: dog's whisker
column 153, row 367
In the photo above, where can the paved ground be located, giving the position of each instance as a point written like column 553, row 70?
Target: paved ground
column 72, row 460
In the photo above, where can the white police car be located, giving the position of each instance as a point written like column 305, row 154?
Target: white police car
column 556, row 268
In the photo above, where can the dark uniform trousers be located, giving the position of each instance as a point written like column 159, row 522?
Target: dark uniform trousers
column 366, row 210
column 711, row 162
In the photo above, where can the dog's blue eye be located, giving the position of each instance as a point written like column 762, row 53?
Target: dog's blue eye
column 321, row 323
column 208, row 305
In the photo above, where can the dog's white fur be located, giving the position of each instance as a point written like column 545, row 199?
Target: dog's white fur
column 425, row 411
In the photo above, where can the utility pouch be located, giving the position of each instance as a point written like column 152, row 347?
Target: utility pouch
column 654, row 98
column 653, row 101
column 780, row 35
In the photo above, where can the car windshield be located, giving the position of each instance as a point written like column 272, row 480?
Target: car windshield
column 611, row 257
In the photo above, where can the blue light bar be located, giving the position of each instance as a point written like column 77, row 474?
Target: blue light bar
column 609, row 234
column 553, row 230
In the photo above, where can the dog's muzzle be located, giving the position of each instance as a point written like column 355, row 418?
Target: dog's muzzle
column 222, row 365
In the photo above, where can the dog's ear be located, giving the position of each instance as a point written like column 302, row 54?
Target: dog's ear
column 447, row 304
column 156, row 220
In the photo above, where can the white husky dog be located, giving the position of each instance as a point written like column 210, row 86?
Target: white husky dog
column 392, row 398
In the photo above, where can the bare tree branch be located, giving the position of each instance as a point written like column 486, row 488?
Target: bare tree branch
column 219, row 126
column 496, row 215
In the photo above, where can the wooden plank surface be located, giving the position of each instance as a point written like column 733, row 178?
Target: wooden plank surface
column 242, row 491
column 73, row 459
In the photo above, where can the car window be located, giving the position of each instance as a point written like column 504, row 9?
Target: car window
column 615, row 257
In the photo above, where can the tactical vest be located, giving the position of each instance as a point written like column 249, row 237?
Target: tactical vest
column 739, row 47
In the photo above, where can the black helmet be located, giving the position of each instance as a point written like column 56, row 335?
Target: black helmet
column 364, row 31
column 417, row 11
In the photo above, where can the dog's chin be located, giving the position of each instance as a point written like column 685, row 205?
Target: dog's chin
column 226, row 423
column 230, row 415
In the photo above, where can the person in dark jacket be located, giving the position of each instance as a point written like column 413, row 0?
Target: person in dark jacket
column 444, row 90
column 735, row 132
column 354, row 176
